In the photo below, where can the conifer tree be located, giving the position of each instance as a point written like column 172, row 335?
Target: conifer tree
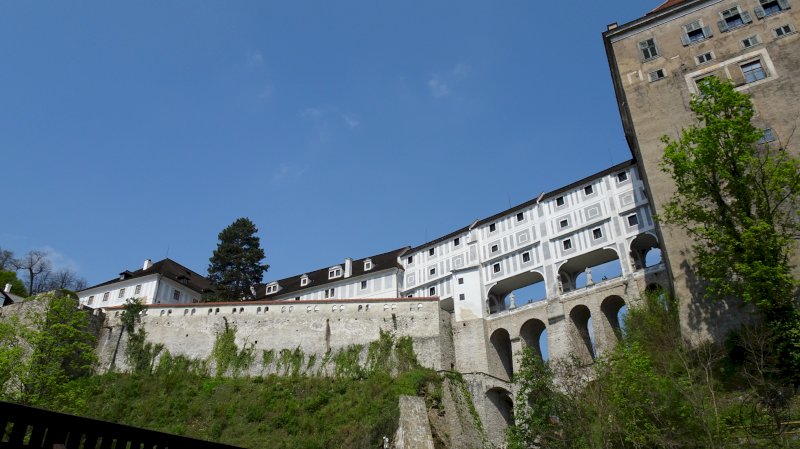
column 236, row 266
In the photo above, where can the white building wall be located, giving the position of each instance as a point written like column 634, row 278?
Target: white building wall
column 155, row 289
column 380, row 284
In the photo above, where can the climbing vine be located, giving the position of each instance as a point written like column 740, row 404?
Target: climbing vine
column 228, row 357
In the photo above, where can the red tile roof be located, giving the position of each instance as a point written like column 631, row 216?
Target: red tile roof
column 665, row 5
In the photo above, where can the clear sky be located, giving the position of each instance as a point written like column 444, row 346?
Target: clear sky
column 133, row 130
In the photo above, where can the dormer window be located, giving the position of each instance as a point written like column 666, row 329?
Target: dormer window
column 367, row 265
column 304, row 281
column 334, row 272
column 272, row 288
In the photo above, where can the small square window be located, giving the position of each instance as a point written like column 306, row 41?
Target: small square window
column 753, row 71
column 363, row 285
column 526, row 257
column 460, row 281
column 105, row 296
column 705, row 57
column 461, row 297
column 648, row 49
column 456, row 241
column 297, row 298
column 496, row 268
column 492, row 227
column 432, row 251
column 495, row 248
column 121, row 293
column 176, row 295
column 560, row 201
column 597, row 233
column 367, row 265
column 520, row 216
column 563, row 223
column 633, row 220
column 783, row 30
column 656, row 75
column 588, row 189
column 750, row 41
column 432, row 291
column 410, row 260
column 432, row 271
column 567, row 244
column 408, row 296
column 768, row 136
column 622, row 176
column 303, row 282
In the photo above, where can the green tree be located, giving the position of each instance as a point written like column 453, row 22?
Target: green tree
column 738, row 200
column 236, row 266
column 17, row 287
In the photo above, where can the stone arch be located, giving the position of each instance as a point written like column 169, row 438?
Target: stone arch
column 582, row 343
column 642, row 249
column 531, row 333
column 577, row 272
column 526, row 283
column 611, row 307
column 502, row 415
column 500, row 360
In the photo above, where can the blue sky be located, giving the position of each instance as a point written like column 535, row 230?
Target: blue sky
column 133, row 130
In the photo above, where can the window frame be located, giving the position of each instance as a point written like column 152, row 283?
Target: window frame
column 526, row 257
column 367, row 264
column 106, row 296
column 272, row 288
column 763, row 12
column 737, row 20
column 563, row 223
column 690, row 31
column 304, row 280
column 706, row 58
column 456, row 241
column 589, row 190
column 750, row 42
column 138, row 289
column 496, row 268
column 560, row 201
column 363, row 285
column 760, row 71
column 635, row 218
column 494, row 248
column 566, row 244
column 432, row 251
column 648, row 50
column 597, row 233
column 622, row 177
column 782, row 29
column 493, row 227
column 432, row 290
column 176, row 294
column 121, row 293
column 335, row 272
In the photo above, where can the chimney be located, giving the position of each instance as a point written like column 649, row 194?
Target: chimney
column 147, row 264
column 348, row 267
column 7, row 289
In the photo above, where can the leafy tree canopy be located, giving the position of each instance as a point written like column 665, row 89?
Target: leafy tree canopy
column 17, row 287
column 236, row 267
column 737, row 197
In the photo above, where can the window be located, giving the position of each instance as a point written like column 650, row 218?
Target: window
column 138, row 289
column 363, row 285
column 303, row 281
column 588, row 190
column 432, row 271
column 622, row 176
column 297, row 298
column 695, row 32
column 432, row 291
column 329, row 292
column 176, row 295
column 753, row 71
column 456, row 241
column 492, row 227
column 410, row 260
column 705, row 57
column 367, row 265
column 407, row 296
column 563, row 223
column 272, row 288
column 733, row 18
column 526, row 257
column 105, row 296
column 770, row 7
column 768, row 136
column 495, row 248
column 91, row 299
column 432, row 251
column 597, row 233
column 656, row 75
column 750, row 41
column 460, row 281
column 334, row 272
column 461, row 297
column 783, row 31
column 560, row 201
column 496, row 268
column 648, row 49
column 633, row 220
column 520, row 216
column 567, row 244
column 121, row 293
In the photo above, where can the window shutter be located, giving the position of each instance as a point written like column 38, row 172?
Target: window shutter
column 707, row 32
column 685, row 39
column 746, row 17
column 723, row 26
column 784, row 4
column 759, row 12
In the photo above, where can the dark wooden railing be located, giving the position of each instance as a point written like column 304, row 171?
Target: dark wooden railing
column 28, row 427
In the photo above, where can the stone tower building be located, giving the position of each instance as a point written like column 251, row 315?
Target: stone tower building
column 656, row 62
